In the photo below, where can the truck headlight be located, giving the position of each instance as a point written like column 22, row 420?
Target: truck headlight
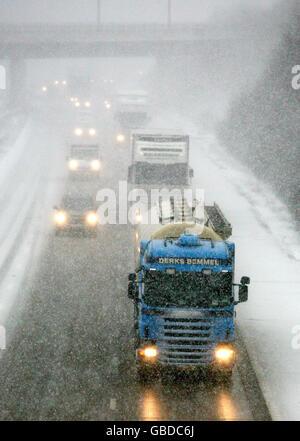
column 73, row 164
column 92, row 219
column 149, row 352
column 60, row 218
column 224, row 354
column 87, row 104
column 95, row 165
column 78, row 131
column 92, row 132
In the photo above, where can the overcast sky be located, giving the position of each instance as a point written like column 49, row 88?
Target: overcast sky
column 16, row 11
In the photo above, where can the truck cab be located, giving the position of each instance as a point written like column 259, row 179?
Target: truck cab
column 184, row 301
column 132, row 108
column 84, row 158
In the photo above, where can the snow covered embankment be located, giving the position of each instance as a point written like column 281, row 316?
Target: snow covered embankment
column 267, row 250
column 30, row 179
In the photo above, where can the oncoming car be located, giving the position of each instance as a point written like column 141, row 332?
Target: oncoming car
column 76, row 213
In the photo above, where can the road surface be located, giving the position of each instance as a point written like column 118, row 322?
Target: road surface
column 71, row 355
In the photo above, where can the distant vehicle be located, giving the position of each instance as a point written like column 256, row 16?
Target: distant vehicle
column 76, row 212
column 80, row 87
column 159, row 158
column 132, row 108
column 84, row 158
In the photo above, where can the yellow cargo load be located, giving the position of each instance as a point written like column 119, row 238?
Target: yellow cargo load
column 175, row 230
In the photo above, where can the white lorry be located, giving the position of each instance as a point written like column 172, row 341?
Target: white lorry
column 159, row 158
column 84, row 158
column 132, row 108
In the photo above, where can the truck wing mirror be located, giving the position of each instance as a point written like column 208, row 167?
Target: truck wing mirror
column 132, row 291
column 132, row 277
column 191, row 173
column 243, row 293
column 245, row 280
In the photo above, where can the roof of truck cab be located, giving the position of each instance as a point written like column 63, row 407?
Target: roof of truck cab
column 206, row 250
column 154, row 131
column 174, row 230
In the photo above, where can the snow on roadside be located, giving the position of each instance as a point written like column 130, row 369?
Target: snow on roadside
column 31, row 179
column 267, row 250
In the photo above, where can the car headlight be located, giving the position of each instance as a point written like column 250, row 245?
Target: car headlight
column 73, row 164
column 224, row 354
column 60, row 218
column 138, row 216
column 78, row 131
column 149, row 352
column 92, row 132
column 92, row 219
column 87, row 104
column 95, row 165
column 120, row 137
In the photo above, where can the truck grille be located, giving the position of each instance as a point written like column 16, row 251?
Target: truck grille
column 186, row 341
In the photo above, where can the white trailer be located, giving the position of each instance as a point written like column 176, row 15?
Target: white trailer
column 132, row 108
column 159, row 158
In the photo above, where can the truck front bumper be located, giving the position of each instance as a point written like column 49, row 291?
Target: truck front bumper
column 219, row 359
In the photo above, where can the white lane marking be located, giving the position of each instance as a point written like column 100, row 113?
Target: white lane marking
column 113, row 404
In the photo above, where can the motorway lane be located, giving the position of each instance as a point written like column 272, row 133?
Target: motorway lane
column 71, row 357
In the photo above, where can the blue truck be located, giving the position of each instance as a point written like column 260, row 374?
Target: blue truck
column 184, row 298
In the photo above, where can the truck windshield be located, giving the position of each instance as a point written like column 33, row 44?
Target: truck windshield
column 187, row 289
column 77, row 203
column 84, row 151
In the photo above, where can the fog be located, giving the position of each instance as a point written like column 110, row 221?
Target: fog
column 217, row 71
column 128, row 11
